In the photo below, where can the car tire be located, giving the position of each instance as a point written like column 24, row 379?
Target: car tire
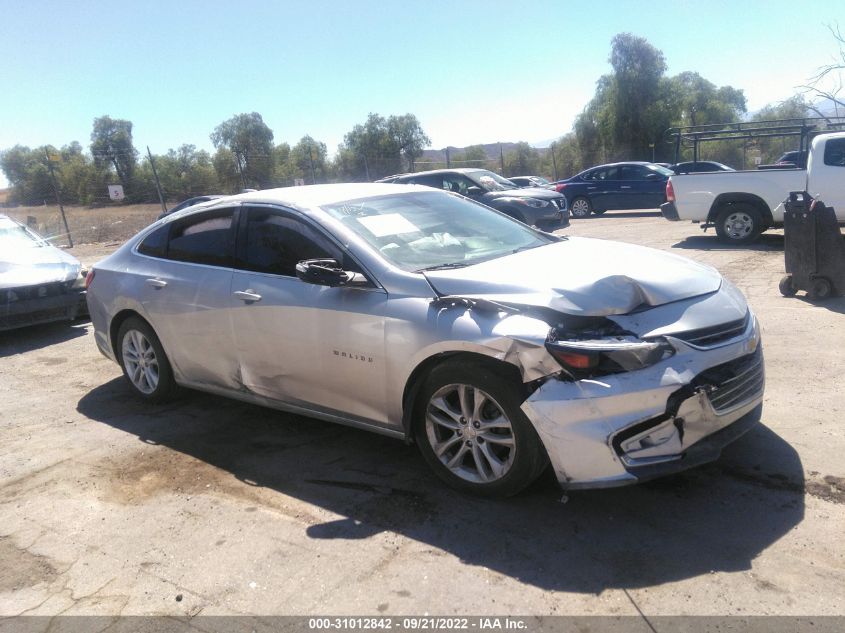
column 739, row 224
column 580, row 208
column 144, row 362
column 471, row 431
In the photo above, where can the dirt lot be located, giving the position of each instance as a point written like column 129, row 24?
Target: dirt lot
column 215, row 507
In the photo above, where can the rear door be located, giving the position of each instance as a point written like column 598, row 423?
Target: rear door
column 185, row 274
column 603, row 188
column 308, row 345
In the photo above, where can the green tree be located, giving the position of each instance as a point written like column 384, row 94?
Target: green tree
column 226, row 169
column 250, row 141
column 522, row 160
column 309, row 160
column 409, row 137
column 111, row 145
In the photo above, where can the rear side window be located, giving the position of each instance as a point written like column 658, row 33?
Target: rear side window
column 155, row 244
column 834, row 152
column 207, row 238
column 276, row 242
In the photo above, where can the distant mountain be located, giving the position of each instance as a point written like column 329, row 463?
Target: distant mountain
column 493, row 151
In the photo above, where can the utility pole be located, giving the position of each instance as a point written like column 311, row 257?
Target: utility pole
column 554, row 160
column 367, row 167
column 448, row 162
column 158, row 184
column 311, row 159
column 58, row 196
column 502, row 158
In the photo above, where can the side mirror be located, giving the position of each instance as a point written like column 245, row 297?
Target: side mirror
column 475, row 191
column 327, row 272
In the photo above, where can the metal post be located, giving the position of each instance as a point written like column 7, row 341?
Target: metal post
column 158, row 184
column 554, row 160
column 502, row 158
column 311, row 159
column 58, row 196
column 448, row 161
column 367, row 167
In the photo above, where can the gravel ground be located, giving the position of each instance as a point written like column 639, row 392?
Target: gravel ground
column 111, row 506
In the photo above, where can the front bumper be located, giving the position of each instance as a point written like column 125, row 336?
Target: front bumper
column 670, row 211
column 625, row 428
column 30, row 309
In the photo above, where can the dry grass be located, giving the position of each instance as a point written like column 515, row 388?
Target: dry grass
column 88, row 225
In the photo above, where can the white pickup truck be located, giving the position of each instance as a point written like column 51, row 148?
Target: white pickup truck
column 743, row 204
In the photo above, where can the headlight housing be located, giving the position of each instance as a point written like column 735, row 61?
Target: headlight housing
column 534, row 203
column 612, row 355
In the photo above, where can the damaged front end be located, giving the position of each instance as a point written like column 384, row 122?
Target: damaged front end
column 618, row 399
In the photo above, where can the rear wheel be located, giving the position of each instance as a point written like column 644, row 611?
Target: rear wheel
column 580, row 208
column 472, row 432
column 739, row 224
column 144, row 363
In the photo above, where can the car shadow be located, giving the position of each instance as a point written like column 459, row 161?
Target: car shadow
column 711, row 242
column 715, row 518
column 29, row 338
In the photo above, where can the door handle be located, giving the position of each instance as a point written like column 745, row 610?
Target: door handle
column 247, row 296
column 592, row 188
column 625, row 187
column 158, row 284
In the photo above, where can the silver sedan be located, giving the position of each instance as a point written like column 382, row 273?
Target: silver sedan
column 496, row 348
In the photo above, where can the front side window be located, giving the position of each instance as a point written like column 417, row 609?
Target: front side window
column 633, row 172
column 206, row 238
column 834, row 152
column 275, row 242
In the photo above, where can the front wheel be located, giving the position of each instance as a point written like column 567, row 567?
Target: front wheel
column 739, row 224
column 580, row 208
column 472, row 432
column 144, row 363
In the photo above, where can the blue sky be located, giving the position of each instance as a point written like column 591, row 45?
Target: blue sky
column 471, row 71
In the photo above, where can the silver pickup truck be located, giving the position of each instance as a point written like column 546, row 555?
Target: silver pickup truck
column 743, row 204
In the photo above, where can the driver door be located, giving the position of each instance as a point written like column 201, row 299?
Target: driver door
column 314, row 346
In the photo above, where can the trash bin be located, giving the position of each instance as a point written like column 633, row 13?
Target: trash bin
column 814, row 249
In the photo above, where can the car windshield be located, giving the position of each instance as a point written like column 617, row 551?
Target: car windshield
column 490, row 181
column 425, row 231
column 16, row 237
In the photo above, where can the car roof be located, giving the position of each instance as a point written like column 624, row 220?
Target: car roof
column 456, row 170
column 307, row 196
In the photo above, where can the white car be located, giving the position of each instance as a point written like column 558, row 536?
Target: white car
column 39, row 283
column 428, row 317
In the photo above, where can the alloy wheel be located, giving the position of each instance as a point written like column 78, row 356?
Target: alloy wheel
column 580, row 208
column 140, row 360
column 470, row 433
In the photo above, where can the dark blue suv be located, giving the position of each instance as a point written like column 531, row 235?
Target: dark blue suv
column 633, row 185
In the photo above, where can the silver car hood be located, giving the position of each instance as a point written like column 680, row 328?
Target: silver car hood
column 36, row 265
column 582, row 276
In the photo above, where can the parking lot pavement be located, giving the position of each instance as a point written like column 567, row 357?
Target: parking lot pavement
column 206, row 505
